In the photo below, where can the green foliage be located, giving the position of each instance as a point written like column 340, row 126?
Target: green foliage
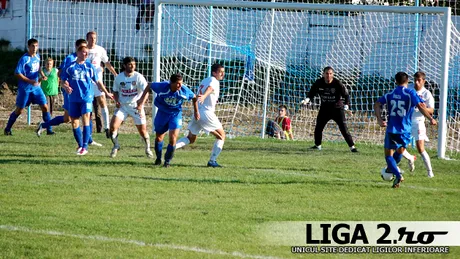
column 67, row 204
column 8, row 64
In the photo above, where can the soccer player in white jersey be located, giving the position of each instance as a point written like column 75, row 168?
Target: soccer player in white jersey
column 96, row 55
column 208, row 93
column 127, row 89
column 418, row 124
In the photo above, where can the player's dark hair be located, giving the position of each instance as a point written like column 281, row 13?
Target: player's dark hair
column 79, row 42
column 327, row 69
column 420, row 74
column 128, row 60
column 401, row 78
column 175, row 78
column 32, row 41
column 215, row 68
column 283, row 106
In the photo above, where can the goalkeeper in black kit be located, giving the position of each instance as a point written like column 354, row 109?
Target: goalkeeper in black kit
column 334, row 103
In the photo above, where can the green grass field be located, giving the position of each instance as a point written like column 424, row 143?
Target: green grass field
column 54, row 204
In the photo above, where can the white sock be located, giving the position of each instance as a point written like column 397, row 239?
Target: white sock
column 216, row 149
column 105, row 117
column 182, row 142
column 407, row 155
column 146, row 141
column 114, row 134
column 426, row 161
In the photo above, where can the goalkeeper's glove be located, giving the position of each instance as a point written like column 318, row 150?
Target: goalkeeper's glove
column 305, row 101
column 345, row 107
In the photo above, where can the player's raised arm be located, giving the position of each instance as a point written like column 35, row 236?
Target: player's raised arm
column 109, row 66
column 102, row 88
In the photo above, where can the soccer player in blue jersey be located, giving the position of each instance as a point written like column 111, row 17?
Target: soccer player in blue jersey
column 169, row 99
column 400, row 105
column 29, row 91
column 79, row 76
column 66, row 118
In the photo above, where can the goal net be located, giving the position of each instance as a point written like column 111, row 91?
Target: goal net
column 272, row 53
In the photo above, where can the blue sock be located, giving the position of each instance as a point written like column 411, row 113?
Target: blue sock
column 158, row 148
column 391, row 164
column 46, row 118
column 11, row 121
column 86, row 136
column 169, row 153
column 53, row 122
column 397, row 157
column 78, row 137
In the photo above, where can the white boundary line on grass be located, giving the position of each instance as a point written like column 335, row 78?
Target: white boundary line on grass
column 135, row 242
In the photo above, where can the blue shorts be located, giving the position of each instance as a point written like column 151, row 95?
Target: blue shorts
column 77, row 109
column 395, row 141
column 165, row 121
column 66, row 104
column 34, row 96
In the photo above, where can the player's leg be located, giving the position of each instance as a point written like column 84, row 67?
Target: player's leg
column 117, row 118
column 102, row 101
column 38, row 97
column 75, row 113
column 321, row 121
column 85, row 118
column 97, row 115
column 173, row 134
column 217, row 147
column 194, row 129
column 341, row 121
column 22, row 99
column 141, row 124
column 160, row 123
column 411, row 158
column 420, row 143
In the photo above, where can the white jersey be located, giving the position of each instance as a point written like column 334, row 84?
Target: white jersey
column 97, row 55
column 210, row 102
column 427, row 98
column 129, row 88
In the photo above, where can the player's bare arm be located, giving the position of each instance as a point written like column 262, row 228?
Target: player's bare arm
column 102, row 88
column 27, row 80
column 422, row 108
column 202, row 97
column 378, row 114
column 65, row 85
column 116, row 99
column 143, row 99
column 111, row 69
column 195, row 108
column 43, row 76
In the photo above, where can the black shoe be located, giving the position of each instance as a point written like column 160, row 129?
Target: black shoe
column 39, row 130
column 166, row 164
column 354, row 150
column 50, row 133
column 157, row 162
column 107, row 133
column 315, row 147
column 8, row 132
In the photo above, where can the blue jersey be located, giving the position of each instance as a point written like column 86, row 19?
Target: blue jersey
column 168, row 101
column 29, row 67
column 69, row 59
column 80, row 77
column 400, row 105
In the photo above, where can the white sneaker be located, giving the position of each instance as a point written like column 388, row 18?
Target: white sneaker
column 149, row 153
column 430, row 174
column 412, row 164
column 78, row 150
column 114, row 152
column 94, row 143
column 82, row 152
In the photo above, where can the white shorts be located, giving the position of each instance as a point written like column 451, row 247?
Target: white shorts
column 96, row 91
column 208, row 122
column 419, row 130
column 130, row 110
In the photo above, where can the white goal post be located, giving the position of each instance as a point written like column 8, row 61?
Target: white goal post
column 214, row 30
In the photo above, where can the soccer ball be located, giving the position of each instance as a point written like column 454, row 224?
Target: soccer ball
column 386, row 176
